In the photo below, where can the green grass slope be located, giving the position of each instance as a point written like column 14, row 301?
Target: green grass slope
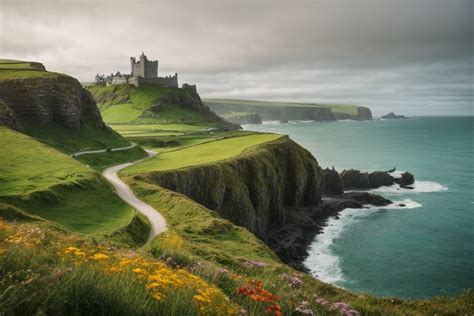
column 164, row 108
column 41, row 181
column 200, row 154
column 341, row 108
column 18, row 69
column 69, row 140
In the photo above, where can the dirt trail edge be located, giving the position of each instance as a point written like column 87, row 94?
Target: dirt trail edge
column 157, row 221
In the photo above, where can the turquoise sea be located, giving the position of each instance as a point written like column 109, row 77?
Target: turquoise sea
column 419, row 251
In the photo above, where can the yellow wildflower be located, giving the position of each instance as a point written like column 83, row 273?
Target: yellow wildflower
column 139, row 271
column 99, row 256
column 71, row 249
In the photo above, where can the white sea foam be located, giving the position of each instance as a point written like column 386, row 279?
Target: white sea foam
column 271, row 123
column 402, row 205
column 418, row 187
column 322, row 262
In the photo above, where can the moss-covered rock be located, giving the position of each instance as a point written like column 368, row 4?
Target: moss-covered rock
column 44, row 100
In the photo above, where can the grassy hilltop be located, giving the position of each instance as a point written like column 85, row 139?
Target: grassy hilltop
column 125, row 104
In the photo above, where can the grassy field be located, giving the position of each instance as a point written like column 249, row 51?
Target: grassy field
column 140, row 130
column 127, row 104
column 102, row 161
column 72, row 140
column 200, row 154
column 11, row 63
column 342, row 108
column 17, row 69
column 41, row 181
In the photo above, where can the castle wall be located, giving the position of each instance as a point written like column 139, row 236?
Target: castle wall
column 158, row 81
column 151, row 69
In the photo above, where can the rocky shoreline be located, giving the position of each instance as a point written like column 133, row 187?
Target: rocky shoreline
column 292, row 240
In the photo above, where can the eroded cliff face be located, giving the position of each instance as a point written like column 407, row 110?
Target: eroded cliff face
column 256, row 190
column 41, row 101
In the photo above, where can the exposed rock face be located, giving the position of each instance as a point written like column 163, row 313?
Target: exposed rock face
column 7, row 117
column 257, row 190
column 392, row 115
column 405, row 180
column 41, row 101
column 364, row 113
column 291, row 241
column 251, row 118
column 354, row 179
column 333, row 184
column 365, row 198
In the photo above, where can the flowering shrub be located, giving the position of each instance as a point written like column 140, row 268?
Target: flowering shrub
column 254, row 264
column 255, row 291
column 343, row 308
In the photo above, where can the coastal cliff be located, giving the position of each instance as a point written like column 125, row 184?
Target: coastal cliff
column 53, row 108
column 256, row 190
column 44, row 100
column 279, row 111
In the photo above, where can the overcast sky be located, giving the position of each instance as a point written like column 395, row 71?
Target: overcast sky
column 409, row 56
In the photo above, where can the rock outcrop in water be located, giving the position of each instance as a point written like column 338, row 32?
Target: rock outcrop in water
column 355, row 179
column 391, row 116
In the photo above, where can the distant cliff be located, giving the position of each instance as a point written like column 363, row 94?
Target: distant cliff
column 278, row 111
column 244, row 118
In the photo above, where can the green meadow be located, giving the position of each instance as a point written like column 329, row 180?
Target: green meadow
column 200, row 154
column 38, row 180
column 17, row 69
column 121, row 104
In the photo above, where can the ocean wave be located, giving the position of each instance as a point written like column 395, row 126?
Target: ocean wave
column 271, row 123
column 322, row 262
column 418, row 187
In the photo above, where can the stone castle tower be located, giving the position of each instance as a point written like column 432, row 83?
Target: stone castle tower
column 143, row 71
column 144, row 68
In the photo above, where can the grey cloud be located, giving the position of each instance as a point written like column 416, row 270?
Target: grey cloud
column 383, row 53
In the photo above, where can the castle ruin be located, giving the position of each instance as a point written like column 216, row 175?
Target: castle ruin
column 142, row 71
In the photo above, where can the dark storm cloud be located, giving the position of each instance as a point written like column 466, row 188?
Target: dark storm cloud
column 413, row 56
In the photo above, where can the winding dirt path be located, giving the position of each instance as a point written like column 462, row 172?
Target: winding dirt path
column 157, row 221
